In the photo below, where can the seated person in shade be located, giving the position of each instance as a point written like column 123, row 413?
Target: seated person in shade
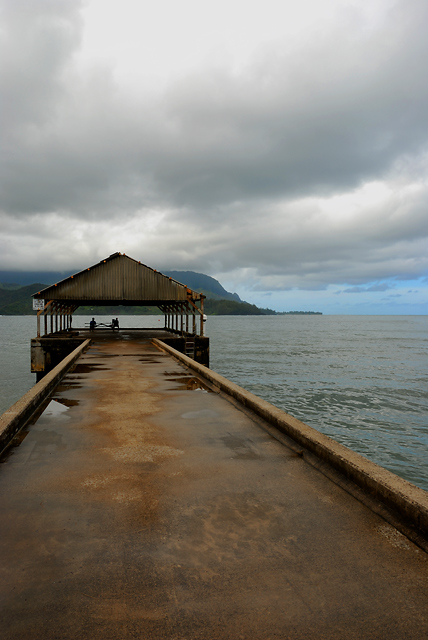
column 92, row 324
column 115, row 324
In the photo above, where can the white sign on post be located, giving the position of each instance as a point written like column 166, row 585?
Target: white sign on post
column 38, row 304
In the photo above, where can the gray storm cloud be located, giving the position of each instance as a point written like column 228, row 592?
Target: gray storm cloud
column 231, row 166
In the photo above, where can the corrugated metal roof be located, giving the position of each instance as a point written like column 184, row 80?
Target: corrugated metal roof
column 118, row 279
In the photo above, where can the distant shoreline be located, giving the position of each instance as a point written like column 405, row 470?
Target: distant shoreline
column 298, row 313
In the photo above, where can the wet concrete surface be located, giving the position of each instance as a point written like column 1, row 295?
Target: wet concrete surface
column 142, row 505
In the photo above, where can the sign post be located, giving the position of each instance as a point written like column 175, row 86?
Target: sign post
column 38, row 304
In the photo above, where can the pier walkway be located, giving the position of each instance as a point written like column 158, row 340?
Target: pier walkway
column 142, row 504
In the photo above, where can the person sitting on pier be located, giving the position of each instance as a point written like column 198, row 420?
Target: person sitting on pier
column 92, row 324
column 115, row 324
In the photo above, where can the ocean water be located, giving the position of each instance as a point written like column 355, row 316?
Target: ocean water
column 363, row 380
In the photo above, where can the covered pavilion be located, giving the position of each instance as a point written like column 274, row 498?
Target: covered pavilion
column 122, row 281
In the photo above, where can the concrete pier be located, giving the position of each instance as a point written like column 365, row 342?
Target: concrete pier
column 144, row 503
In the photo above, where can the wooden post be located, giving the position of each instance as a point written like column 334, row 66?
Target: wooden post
column 202, row 316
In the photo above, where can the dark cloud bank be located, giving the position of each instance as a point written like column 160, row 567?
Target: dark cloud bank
column 222, row 172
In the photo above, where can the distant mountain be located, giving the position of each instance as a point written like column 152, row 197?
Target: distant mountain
column 203, row 284
column 23, row 278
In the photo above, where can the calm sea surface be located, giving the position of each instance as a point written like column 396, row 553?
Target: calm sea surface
column 363, row 380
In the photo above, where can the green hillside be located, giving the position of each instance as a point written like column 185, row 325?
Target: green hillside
column 18, row 301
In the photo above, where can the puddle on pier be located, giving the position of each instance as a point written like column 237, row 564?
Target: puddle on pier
column 189, row 382
column 151, row 358
column 67, row 386
column 241, row 447
column 88, row 368
column 120, row 355
column 56, row 408
column 132, row 355
column 13, row 444
column 140, row 356
column 66, row 401
column 51, row 410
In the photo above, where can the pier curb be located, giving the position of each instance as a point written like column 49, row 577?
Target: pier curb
column 403, row 497
column 12, row 420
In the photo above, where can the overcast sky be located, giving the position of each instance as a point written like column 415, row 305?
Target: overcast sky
column 279, row 146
